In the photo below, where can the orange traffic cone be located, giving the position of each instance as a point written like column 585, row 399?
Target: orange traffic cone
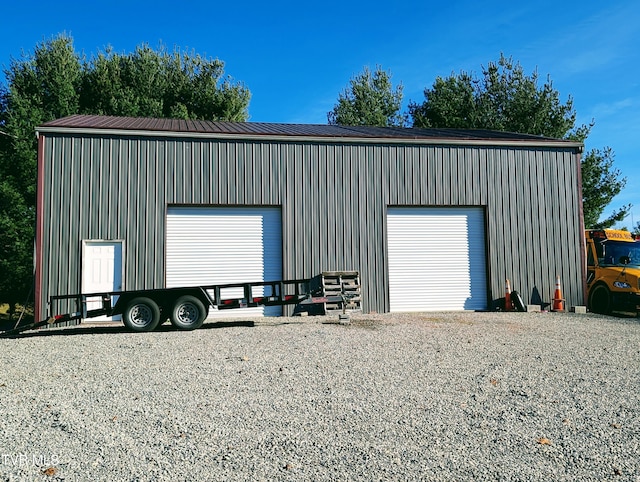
column 558, row 300
column 508, row 305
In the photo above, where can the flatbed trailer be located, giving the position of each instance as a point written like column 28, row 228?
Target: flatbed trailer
column 186, row 308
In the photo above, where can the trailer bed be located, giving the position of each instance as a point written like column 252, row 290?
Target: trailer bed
column 185, row 307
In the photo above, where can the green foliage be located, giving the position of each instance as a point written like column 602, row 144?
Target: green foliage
column 56, row 82
column 450, row 103
column 16, row 245
column 601, row 182
column 370, row 100
column 148, row 83
column 503, row 99
column 40, row 88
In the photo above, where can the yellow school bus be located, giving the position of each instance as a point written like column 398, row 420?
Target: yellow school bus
column 613, row 271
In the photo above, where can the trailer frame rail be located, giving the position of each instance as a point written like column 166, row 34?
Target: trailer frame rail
column 168, row 302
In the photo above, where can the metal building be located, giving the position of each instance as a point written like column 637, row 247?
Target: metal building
column 433, row 219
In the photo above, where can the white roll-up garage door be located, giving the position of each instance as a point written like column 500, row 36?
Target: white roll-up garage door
column 219, row 245
column 436, row 259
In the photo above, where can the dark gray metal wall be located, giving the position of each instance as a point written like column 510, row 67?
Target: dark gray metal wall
column 333, row 196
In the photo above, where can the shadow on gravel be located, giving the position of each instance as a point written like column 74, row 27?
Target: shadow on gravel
column 364, row 323
column 94, row 329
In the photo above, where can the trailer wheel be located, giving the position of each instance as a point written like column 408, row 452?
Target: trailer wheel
column 141, row 314
column 188, row 313
column 600, row 300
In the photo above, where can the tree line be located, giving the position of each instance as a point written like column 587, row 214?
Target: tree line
column 55, row 81
column 503, row 98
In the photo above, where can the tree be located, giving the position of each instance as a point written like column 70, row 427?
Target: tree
column 40, row 88
column 16, row 246
column 505, row 99
column 600, row 184
column 56, row 82
column 147, row 83
column 370, row 100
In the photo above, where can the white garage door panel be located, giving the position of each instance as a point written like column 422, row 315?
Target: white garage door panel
column 436, row 259
column 207, row 246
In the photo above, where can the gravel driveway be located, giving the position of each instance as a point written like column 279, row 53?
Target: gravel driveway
column 431, row 396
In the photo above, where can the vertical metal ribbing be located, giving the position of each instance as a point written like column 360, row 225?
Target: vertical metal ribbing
column 527, row 197
column 573, row 206
column 334, row 199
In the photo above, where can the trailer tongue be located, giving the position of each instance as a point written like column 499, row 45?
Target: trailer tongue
column 186, row 308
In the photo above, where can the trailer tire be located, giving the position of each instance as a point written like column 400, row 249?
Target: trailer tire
column 141, row 314
column 600, row 300
column 188, row 313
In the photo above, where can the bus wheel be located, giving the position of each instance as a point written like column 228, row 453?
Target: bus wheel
column 141, row 314
column 600, row 300
column 188, row 313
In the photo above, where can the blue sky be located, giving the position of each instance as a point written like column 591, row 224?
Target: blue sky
column 296, row 57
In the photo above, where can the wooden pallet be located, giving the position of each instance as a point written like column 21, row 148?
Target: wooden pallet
column 345, row 283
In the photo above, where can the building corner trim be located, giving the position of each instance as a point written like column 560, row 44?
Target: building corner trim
column 39, row 230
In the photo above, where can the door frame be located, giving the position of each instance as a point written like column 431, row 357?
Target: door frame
column 237, row 212
column 431, row 212
column 84, row 264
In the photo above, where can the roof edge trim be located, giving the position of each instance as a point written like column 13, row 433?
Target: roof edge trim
column 324, row 139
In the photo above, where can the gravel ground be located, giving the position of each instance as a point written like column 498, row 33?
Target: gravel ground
column 431, row 396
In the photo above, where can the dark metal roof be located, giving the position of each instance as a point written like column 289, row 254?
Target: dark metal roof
column 287, row 130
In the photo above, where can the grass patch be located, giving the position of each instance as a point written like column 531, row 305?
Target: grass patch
column 445, row 319
column 368, row 324
column 26, row 317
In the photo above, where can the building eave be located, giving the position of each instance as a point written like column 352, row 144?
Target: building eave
column 522, row 143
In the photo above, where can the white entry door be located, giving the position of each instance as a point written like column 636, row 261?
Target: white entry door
column 101, row 272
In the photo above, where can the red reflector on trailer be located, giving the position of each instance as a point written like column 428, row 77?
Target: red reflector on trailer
column 258, row 300
column 228, row 302
column 59, row 317
column 289, row 297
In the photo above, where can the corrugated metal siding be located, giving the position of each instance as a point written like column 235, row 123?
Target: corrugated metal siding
column 333, row 197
